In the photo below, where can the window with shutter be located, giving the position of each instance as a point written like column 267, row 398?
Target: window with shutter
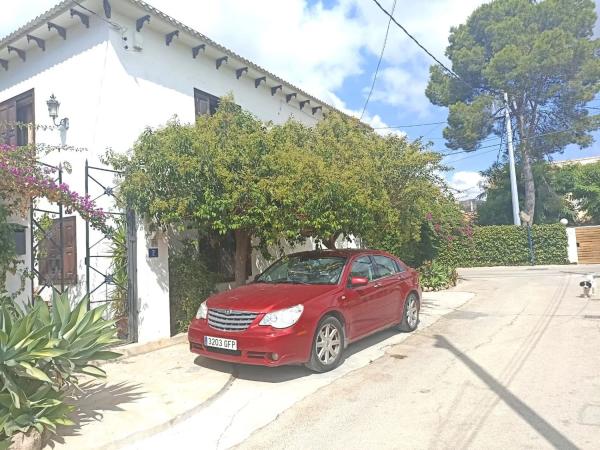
column 8, row 118
column 17, row 120
column 50, row 252
column 205, row 103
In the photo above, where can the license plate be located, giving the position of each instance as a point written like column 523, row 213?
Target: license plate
column 227, row 344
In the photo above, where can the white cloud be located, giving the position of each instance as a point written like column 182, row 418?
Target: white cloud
column 319, row 48
column 399, row 87
column 314, row 47
column 16, row 13
column 466, row 184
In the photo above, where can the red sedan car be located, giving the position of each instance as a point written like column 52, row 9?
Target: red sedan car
column 306, row 308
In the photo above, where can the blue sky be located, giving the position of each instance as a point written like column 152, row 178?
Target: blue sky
column 330, row 48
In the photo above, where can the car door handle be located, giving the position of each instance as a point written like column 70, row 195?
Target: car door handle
column 377, row 285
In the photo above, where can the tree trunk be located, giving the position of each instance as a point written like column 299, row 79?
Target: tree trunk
column 527, row 171
column 242, row 250
column 330, row 241
column 528, row 183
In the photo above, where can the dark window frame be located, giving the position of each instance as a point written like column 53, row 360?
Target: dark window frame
column 20, row 239
column 370, row 258
column 49, row 258
column 212, row 102
column 376, row 266
column 21, row 102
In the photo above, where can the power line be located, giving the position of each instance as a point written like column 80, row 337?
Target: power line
column 387, row 31
column 473, row 156
column 409, row 126
column 450, row 71
column 468, row 151
column 488, row 146
column 533, row 137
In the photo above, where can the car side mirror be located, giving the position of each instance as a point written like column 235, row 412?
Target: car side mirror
column 358, row 281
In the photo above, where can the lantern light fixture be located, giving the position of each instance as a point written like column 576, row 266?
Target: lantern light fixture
column 53, row 106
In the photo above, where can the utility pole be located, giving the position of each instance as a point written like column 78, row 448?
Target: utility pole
column 511, row 162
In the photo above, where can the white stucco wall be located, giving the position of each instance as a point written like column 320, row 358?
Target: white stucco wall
column 110, row 95
column 572, row 246
column 153, row 286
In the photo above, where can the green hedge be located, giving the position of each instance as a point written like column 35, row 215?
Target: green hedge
column 506, row 245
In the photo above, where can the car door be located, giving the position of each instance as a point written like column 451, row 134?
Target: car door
column 392, row 282
column 362, row 302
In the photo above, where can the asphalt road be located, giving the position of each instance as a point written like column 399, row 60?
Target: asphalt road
column 518, row 366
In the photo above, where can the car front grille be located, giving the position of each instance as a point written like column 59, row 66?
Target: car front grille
column 230, row 320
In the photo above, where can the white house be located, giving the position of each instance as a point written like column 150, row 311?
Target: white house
column 116, row 67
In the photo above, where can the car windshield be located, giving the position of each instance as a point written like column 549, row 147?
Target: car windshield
column 304, row 270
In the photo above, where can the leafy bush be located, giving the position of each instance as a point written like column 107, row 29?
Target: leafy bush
column 435, row 276
column 506, row 245
column 190, row 283
column 42, row 351
column 8, row 255
column 118, row 268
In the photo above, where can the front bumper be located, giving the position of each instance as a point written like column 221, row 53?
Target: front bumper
column 258, row 345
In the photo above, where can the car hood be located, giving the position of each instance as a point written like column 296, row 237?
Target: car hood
column 263, row 297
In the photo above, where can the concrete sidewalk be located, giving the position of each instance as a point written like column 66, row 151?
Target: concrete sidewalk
column 143, row 395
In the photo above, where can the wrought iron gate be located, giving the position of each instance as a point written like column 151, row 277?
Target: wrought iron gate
column 110, row 258
column 47, row 235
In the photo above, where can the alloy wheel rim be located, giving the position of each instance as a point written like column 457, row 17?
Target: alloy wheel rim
column 412, row 311
column 328, row 344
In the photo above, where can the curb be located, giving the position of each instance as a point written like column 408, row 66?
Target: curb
column 138, row 436
column 135, row 349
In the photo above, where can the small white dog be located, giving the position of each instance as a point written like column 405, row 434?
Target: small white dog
column 589, row 285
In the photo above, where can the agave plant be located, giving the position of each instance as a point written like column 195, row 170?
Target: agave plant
column 42, row 351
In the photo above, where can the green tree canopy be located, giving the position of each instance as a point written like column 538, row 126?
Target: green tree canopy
column 581, row 185
column 571, row 192
column 231, row 173
column 552, row 203
column 543, row 56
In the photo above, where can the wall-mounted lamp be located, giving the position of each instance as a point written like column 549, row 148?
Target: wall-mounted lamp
column 53, row 106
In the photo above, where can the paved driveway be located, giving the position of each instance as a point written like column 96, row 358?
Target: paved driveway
column 518, row 366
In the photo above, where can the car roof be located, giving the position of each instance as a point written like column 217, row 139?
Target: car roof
column 344, row 252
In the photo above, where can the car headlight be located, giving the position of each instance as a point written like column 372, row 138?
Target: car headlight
column 283, row 318
column 202, row 311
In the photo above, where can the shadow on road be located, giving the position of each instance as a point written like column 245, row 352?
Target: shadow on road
column 538, row 423
column 288, row 373
column 93, row 401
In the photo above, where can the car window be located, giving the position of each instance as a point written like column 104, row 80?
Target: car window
column 385, row 266
column 304, row 269
column 399, row 266
column 362, row 267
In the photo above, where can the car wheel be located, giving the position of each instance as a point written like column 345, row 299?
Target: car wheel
column 327, row 345
column 410, row 315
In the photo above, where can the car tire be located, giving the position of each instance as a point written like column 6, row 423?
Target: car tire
column 327, row 345
column 410, row 313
